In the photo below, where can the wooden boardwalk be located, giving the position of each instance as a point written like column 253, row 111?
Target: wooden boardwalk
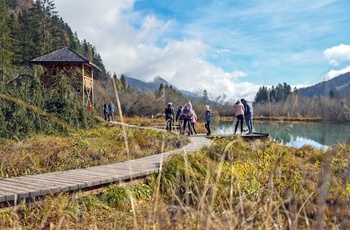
column 245, row 136
column 12, row 190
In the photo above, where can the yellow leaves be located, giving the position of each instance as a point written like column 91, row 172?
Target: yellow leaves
column 348, row 189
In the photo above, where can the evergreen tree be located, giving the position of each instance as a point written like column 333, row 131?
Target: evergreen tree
column 29, row 36
column 161, row 91
column 47, row 25
column 272, row 94
column 3, row 34
column 275, row 94
column 205, row 97
column 97, row 60
column 261, row 95
column 280, row 92
column 124, row 81
column 7, row 40
column 87, row 50
column 287, row 90
column 118, row 82
column 76, row 44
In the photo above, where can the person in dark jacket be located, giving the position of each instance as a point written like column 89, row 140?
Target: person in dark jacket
column 169, row 116
column 179, row 118
column 105, row 111
column 178, row 113
column 207, row 119
column 248, row 115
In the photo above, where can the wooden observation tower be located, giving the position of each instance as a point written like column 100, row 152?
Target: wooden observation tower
column 77, row 68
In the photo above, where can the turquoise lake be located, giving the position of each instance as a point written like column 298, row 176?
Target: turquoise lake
column 297, row 134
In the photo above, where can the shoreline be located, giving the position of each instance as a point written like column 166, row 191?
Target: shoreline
column 281, row 118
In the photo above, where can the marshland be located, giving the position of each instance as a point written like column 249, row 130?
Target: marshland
column 52, row 120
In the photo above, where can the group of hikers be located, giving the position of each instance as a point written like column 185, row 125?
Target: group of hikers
column 185, row 116
column 108, row 111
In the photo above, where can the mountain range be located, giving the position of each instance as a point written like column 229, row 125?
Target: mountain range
column 339, row 85
column 152, row 86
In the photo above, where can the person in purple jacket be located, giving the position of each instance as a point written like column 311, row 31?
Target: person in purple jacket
column 207, row 119
column 187, row 116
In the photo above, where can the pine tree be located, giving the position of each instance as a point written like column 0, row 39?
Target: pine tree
column 87, row 50
column 205, row 95
column 262, row 95
column 161, row 91
column 124, row 81
column 6, row 40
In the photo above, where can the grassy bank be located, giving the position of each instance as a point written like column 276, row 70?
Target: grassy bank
column 104, row 144
column 232, row 184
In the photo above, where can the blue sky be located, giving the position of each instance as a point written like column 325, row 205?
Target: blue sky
column 229, row 47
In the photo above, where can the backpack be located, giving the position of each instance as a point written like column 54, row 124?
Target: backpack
column 188, row 111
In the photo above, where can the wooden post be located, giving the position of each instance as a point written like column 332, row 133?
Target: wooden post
column 83, row 82
column 92, row 85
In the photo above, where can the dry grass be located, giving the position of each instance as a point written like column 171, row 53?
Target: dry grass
column 232, row 184
column 98, row 146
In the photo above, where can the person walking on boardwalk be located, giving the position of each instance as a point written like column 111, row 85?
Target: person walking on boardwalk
column 178, row 113
column 105, row 111
column 187, row 116
column 193, row 122
column 169, row 117
column 110, row 111
column 239, row 111
column 207, row 119
column 248, row 115
column 179, row 119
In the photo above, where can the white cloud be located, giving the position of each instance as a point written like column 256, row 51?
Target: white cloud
column 337, row 54
column 132, row 44
column 334, row 73
column 176, row 40
column 239, row 74
column 152, row 29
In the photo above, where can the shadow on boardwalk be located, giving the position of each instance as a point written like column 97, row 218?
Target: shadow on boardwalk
column 12, row 190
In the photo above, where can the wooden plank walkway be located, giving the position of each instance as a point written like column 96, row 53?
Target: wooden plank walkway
column 15, row 189
column 245, row 136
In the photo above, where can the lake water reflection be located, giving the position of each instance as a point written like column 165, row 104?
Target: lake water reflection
column 296, row 134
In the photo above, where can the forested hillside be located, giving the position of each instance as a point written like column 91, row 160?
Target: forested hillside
column 337, row 86
column 320, row 102
column 30, row 29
